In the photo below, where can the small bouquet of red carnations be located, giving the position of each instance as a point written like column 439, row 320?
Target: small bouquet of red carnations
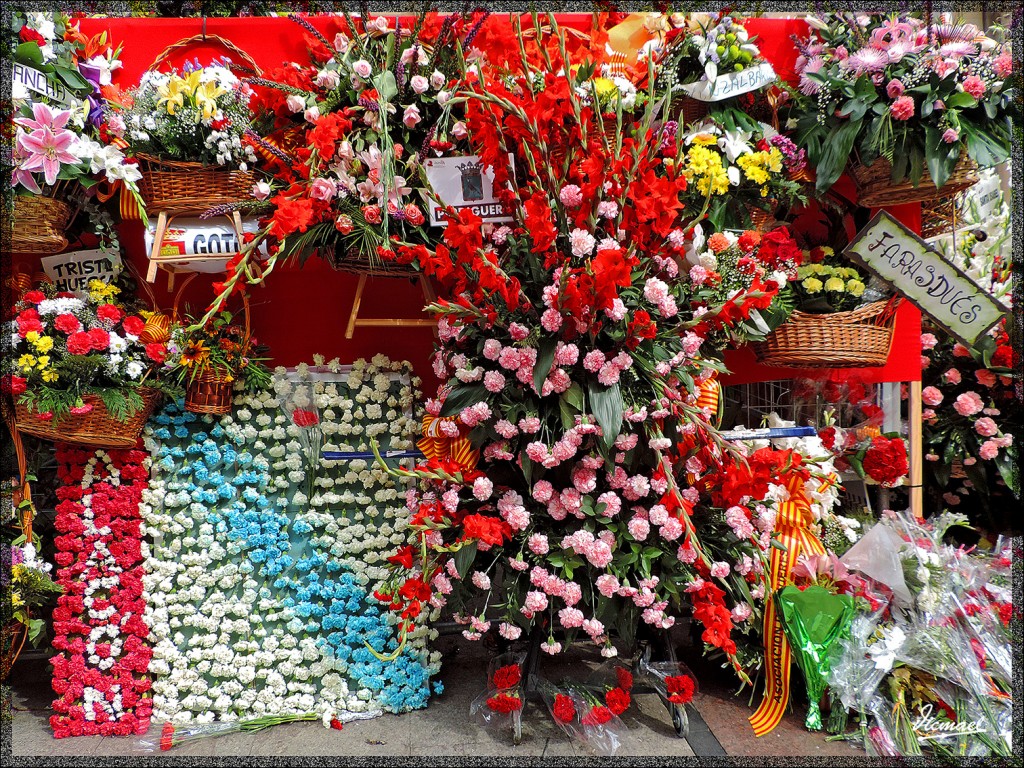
column 501, row 705
column 673, row 681
column 586, row 716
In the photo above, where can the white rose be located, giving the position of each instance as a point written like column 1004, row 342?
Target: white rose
column 295, row 103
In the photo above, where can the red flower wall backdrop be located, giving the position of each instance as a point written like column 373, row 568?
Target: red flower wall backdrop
column 100, row 671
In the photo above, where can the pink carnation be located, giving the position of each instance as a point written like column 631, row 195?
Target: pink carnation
column 989, row 450
column 985, row 427
column 607, row 584
column 571, row 195
column 538, row 544
column 638, row 528
column 975, row 86
column 902, row 108
column 571, row 618
column 968, row 404
column 535, row 601
column 950, row 135
column 931, row 396
column 952, row 376
column 985, row 377
column 928, row 340
column 720, row 570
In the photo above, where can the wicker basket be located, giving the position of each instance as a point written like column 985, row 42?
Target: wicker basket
column 937, row 217
column 690, row 110
column 760, row 219
column 860, row 338
column 13, row 639
column 97, row 428
column 176, row 187
column 209, row 392
column 875, row 188
column 39, row 224
column 354, row 261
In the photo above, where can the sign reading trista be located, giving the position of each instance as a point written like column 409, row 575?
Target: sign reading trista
column 73, row 271
column 951, row 298
column 463, row 182
column 731, row 84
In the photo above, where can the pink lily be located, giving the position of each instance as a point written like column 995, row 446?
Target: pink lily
column 47, row 151
column 19, row 175
column 44, row 118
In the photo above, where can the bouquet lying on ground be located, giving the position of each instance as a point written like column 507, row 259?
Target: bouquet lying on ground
column 894, row 87
column 68, row 346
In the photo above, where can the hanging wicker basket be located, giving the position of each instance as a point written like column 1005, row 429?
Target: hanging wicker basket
column 178, row 187
column 13, row 639
column 937, row 217
column 875, row 188
column 210, row 392
column 97, row 428
column 860, row 338
column 39, row 224
column 354, row 261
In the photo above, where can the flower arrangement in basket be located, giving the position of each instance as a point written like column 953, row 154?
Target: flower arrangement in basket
column 78, row 369
column 60, row 150
column 911, row 108
column 832, row 325
column 376, row 101
column 188, row 130
column 743, row 175
column 700, row 52
column 26, row 586
column 209, row 358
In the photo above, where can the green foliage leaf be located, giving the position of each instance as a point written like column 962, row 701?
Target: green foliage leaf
column 545, row 359
column 464, row 559
column 835, row 154
column 29, row 53
column 463, row 397
column 606, row 403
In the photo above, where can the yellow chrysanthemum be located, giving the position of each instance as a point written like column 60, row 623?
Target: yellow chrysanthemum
column 855, row 288
column 774, row 161
column 812, row 284
column 101, row 291
column 43, row 343
column 32, row 337
column 835, row 285
column 704, row 140
column 828, row 251
column 752, row 164
column 704, row 168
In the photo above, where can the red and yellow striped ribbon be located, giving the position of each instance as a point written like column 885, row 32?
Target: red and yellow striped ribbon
column 792, row 524
column 438, row 446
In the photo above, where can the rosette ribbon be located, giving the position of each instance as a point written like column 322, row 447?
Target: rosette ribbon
column 438, row 446
column 792, row 524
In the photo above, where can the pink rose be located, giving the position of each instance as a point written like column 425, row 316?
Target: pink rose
column 411, row 116
column 968, row 404
column 419, row 83
column 459, row 130
column 894, row 89
column 950, row 136
column 931, row 396
column 362, row 68
column 323, row 189
column 985, row 427
column 261, row 190
column 975, row 86
column 902, row 108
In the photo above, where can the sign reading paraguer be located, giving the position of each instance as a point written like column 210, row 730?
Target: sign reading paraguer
column 34, row 80
column 895, row 254
column 73, row 271
column 463, row 182
column 731, row 84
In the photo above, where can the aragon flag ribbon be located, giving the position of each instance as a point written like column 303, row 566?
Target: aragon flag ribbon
column 792, row 524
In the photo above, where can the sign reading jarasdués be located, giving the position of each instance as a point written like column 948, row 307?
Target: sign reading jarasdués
column 937, row 287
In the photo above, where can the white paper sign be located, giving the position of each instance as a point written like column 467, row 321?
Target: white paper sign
column 36, row 81
column 894, row 253
column 73, row 271
column 985, row 195
column 462, row 182
column 732, row 84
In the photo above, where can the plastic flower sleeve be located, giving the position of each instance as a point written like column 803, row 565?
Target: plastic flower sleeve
column 500, row 706
column 613, row 682
column 853, row 676
column 814, row 619
column 298, row 403
column 583, row 717
column 674, row 683
column 876, row 555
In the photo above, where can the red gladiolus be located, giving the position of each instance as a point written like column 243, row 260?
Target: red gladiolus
column 305, row 418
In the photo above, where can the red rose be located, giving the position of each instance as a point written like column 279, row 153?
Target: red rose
column 99, row 339
column 371, row 213
column 413, row 214
column 66, row 323
column 133, row 325
column 109, row 313
column 303, row 418
column 79, row 343
column 564, row 710
column 29, row 35
column 156, row 351
column 34, row 297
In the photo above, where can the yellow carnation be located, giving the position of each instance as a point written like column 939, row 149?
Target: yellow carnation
column 43, row 343
column 811, row 285
column 835, row 284
column 855, row 288
column 27, row 362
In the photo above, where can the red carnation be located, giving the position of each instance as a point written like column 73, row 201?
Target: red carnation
column 28, row 324
column 680, row 689
column 563, row 709
column 167, row 737
column 504, row 703
column 598, row 715
column 133, row 325
column 14, row 385
column 45, row 416
column 79, row 343
column 749, row 240
column 67, row 323
column 156, row 351
column 507, row 677
column 304, row 418
column 625, row 678
column 99, row 339
column 886, row 460
column 617, row 700
column 109, row 312
column 336, row 724
column 34, row 297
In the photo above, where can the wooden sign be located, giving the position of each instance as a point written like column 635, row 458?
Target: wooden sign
column 732, row 84
column 895, row 254
column 463, row 182
column 73, row 271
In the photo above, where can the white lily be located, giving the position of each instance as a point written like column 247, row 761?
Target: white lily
column 735, row 143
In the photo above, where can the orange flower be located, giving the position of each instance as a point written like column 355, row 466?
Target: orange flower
column 718, row 242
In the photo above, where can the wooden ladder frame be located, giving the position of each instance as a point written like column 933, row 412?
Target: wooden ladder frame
column 354, row 320
column 158, row 262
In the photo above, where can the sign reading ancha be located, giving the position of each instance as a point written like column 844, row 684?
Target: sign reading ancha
column 463, row 182
column 73, row 271
column 895, row 254
column 34, row 80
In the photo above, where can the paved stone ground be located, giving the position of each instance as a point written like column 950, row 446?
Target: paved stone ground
column 442, row 729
